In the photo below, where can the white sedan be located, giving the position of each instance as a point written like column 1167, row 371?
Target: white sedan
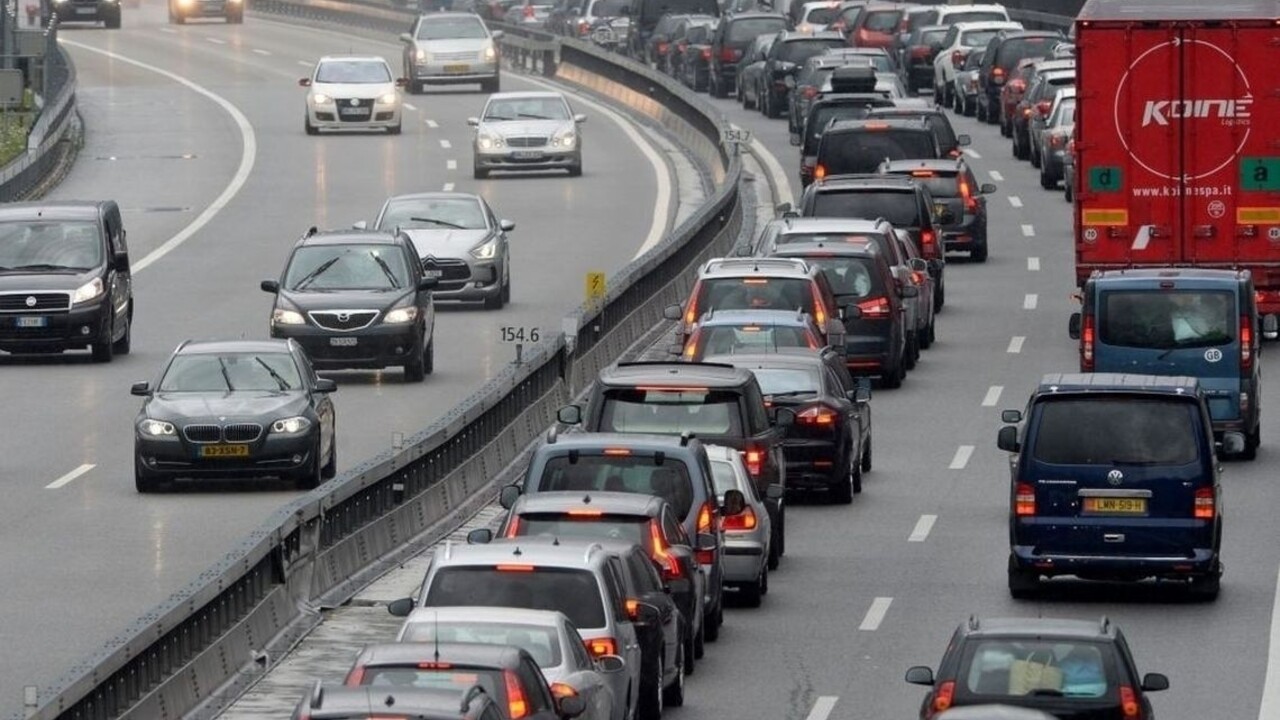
column 351, row 92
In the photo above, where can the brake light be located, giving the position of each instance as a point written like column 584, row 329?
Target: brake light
column 1129, row 703
column 928, row 243
column 997, row 75
column 1024, row 500
column 920, row 51
column 917, row 277
column 1204, row 504
column 706, row 54
column 681, row 47
column 728, row 54
column 434, row 666
column 599, row 647
column 817, row 415
column 355, row 677
column 691, row 313
column 584, row 28
column 755, row 462
column 942, row 699
column 875, row 307
column 1086, row 344
column 876, row 126
column 1246, row 343
column 633, row 608
column 922, row 173
column 514, row 568
column 966, row 192
column 819, row 172
column 819, row 309
column 563, row 690
column 1026, row 112
column 658, row 548
column 1015, row 85
column 517, row 706
column 513, row 527
column 691, row 347
column 958, row 57
column 1043, row 107
column 617, row 452
column 745, row 520
column 809, row 92
column 583, row 512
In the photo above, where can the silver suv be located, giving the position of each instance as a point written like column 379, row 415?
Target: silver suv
column 451, row 49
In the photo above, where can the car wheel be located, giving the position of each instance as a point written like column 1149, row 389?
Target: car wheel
column 764, row 581
column 711, row 625
column 311, row 129
column 416, row 369
column 948, row 95
column 751, row 593
column 958, row 103
column 330, row 469
column 690, row 657
column 1067, row 191
column 429, row 358
column 700, row 639
column 103, row 349
column 651, row 692
column 479, row 174
column 395, row 130
column 912, row 352
column 842, row 489
column 923, row 338
column 494, row 301
column 1023, row 584
column 980, row 111
column 775, row 549
column 575, row 170
column 782, row 533
column 673, row 694
column 491, row 86
column 979, row 252
column 716, row 88
column 112, row 23
column 940, row 296
column 309, row 477
column 142, row 482
column 970, row 108
column 893, row 378
column 1251, row 442
column 1047, row 180
column 1206, row 587
column 124, row 344
column 866, row 457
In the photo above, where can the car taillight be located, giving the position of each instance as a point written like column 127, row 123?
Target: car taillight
column 513, row 527
column 946, row 693
column 658, row 549
column 517, row 706
column 809, row 92
column 1055, row 140
column 966, row 192
column 1024, row 500
column 728, row 54
column 528, row 11
column 355, row 677
column 599, row 647
column 691, row 347
column 920, row 51
column 1017, row 85
column 1246, row 344
column 1129, row 703
column 928, row 244
column 706, row 53
column 957, row 58
column 662, row 48
column 817, row 415
column 584, row 28
column 918, row 277
column 819, row 172
column 1086, row 344
column 1026, row 112
column 875, row 307
column 706, row 524
column 691, row 313
column 819, row 308
column 1204, row 504
column 745, row 520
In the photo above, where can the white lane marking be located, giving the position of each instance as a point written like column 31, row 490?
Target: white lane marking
column 822, row 707
column 65, row 479
column 774, row 168
column 1030, row 301
column 875, row 613
column 1015, row 343
column 963, row 453
column 305, row 63
column 1143, row 238
column 262, row 52
column 445, row 144
column 171, row 31
column 1015, row 201
column 451, row 164
column 922, row 528
column 995, row 175
column 448, row 187
column 972, row 153
column 1270, row 708
column 432, row 124
column 216, row 41
column 407, row 106
column 1028, row 230
column 662, row 208
column 993, row 396
column 248, row 153
column 1033, row 264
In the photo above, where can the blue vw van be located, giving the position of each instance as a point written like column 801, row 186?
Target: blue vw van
column 1179, row 321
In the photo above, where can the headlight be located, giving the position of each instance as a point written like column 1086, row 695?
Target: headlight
column 156, row 428
column 388, row 99
column 490, row 52
column 321, row 99
column 489, row 142
column 290, row 426
column 58, row 2
column 88, row 291
column 564, row 139
column 281, row 316
column 485, row 251
column 422, row 55
column 400, row 316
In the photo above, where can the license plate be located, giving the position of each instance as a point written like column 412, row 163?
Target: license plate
column 224, row 451
column 353, row 111
column 458, row 69
column 31, row 322
column 1115, row 506
column 343, row 341
column 526, row 155
column 437, row 274
column 86, row 10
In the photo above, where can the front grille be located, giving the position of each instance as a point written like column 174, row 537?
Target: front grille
column 526, row 142
column 202, row 433
column 241, row 432
column 34, row 301
column 360, row 111
column 455, row 56
column 343, row 320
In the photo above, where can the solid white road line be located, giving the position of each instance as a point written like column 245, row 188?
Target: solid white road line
column 1028, row 230
column 407, row 106
column 995, row 175
column 1033, row 264
column 822, row 707
column 875, row 613
column 923, row 526
column 260, row 51
column 432, row 124
column 780, row 177
column 1270, row 708
column 448, row 187
column 963, row 453
column 1015, row 201
column 305, row 63
column 248, row 153
column 216, row 41
column 69, row 477
column 171, row 31
column 445, row 144
column 972, row 153
column 993, row 396
column 1030, row 301
column 1015, row 343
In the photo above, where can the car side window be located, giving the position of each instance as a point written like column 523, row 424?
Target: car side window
column 578, row 649
column 758, row 415
column 491, row 713
column 617, row 589
column 834, row 387
column 673, row 530
column 539, row 696
column 646, row 575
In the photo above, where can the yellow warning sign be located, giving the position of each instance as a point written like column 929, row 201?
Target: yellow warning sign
column 1257, row 215
column 595, row 286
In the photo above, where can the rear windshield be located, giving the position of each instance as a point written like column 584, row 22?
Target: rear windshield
column 723, row 477
column 746, row 30
column 977, row 38
column 940, row 186
column 539, row 641
column 975, row 16
column 797, row 51
column 454, row 679
column 573, row 592
column 1060, row 667
column 728, row 339
column 651, row 11
column 1011, row 51
column 1164, row 320
column 797, row 381
column 820, row 116
column 854, row 276
column 884, row 21
column 938, row 124
column 621, row 473
column 900, row 208
column 671, row 411
column 1116, row 431
column 756, row 293
column 863, row 151
column 627, row 528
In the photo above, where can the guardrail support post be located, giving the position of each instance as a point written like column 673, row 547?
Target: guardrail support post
column 549, row 62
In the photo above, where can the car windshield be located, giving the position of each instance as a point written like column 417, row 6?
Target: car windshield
column 540, row 641
column 621, row 471
column 415, row 676
column 747, row 338
column 791, row 381
column 756, row 293
column 853, row 276
column 744, row 30
column 571, row 591
column 1047, row 668
column 460, row 213
column 353, row 72
column 452, row 28
column 347, row 267
column 584, row 526
column 1116, row 431
column 824, row 15
column 521, row 108
column 31, row 245
column 231, row 372
column 1165, row 320
column 864, row 150
column 882, row 21
column 671, row 411
column 822, row 115
column 977, row 38
column 900, row 208
column 797, row 51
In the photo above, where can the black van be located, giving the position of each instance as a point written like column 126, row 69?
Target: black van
column 64, row 279
column 1115, row 477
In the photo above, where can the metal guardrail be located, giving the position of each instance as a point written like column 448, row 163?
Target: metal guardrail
column 28, row 171
column 1037, row 20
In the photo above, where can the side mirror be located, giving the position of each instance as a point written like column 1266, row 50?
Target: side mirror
column 1233, row 443
column 920, row 675
column 1007, row 439
column 360, row 225
column 647, row 614
column 784, row 417
column 784, row 68
column 304, row 82
column 507, row 496
column 571, row 706
column 783, row 209
column 1043, row 107
column 909, row 291
column 610, row 664
column 406, row 38
column 498, row 34
column 579, row 118
column 963, row 140
column 674, row 349
column 271, row 286
column 1011, row 416
column 1154, row 682
column 918, row 265
column 325, row 385
column 569, row 415
column 473, row 121
column 986, row 189
column 479, row 536
column 142, row 389
column 734, row 504
column 671, row 312
column 428, row 283
column 402, row 82
column 507, row 225
column 775, row 491
column 401, row 607
column 834, row 327
column 707, row 541
column 1073, row 326
column 850, row 311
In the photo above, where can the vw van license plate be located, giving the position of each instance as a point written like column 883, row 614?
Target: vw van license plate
column 31, row 322
column 1115, row 506
column 458, row 69
column 224, row 451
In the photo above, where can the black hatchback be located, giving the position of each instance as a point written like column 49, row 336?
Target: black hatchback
column 953, row 186
column 356, row 299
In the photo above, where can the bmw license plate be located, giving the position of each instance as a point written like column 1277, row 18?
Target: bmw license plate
column 457, row 69
column 343, row 341
column 526, row 155
column 1115, row 506
column 224, row 451
column 31, row 322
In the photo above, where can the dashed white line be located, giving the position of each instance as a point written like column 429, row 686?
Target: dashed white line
column 448, row 187
column 1028, row 230
column 972, row 153
column 1030, row 301
column 451, row 164
column 1033, row 264
column 995, row 175
column 1015, row 344
column 875, row 613
column 305, row 63
column 432, row 124
column 69, row 477
column 963, row 453
column 260, row 51
column 993, row 396
column 822, row 707
column 407, row 106
column 445, row 144
column 216, row 41
column 171, row 31
column 921, row 531
column 1015, row 201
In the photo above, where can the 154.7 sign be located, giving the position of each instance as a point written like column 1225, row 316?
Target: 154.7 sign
column 511, row 335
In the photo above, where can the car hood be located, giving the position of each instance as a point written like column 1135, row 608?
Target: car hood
column 445, row 242
column 360, row 90
column 452, row 45
column 263, row 407
column 540, row 128
column 344, row 299
column 46, row 280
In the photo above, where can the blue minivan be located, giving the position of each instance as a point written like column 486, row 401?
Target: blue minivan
column 1114, row 477
column 1179, row 321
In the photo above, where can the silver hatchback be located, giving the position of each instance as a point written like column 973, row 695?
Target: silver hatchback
column 747, row 534
column 527, row 131
column 451, row 49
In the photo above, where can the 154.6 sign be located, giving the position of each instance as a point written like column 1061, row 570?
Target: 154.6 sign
column 510, row 335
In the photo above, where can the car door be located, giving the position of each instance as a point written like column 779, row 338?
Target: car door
column 628, row 639
column 320, row 402
column 120, row 279
column 648, row 588
column 588, row 678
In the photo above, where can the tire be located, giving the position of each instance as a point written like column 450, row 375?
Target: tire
column 330, row 469
column 673, row 694
column 866, row 457
column 958, row 104
column 103, row 350
column 843, row 490
column 970, row 109
column 924, row 338
column 310, row 477
column 142, row 482
column 717, row 619
column 415, row 371
column 764, row 582
column 396, row 130
column 689, row 655
column 1019, row 151
column 575, row 170
column 429, row 358
column 782, row 533
column 506, row 291
column 113, row 23
column 948, row 95
column 494, row 302
column 940, row 296
column 1251, row 442
column 491, row 86
column 700, row 641
column 125, row 343
column 479, row 174
column 1206, row 587
column 979, row 252
column 979, row 111
column 236, row 19
column 1023, row 584
column 717, row 89
column 753, row 593
column 311, row 129
column 1006, row 128
column 1067, row 191
column 912, row 352
column 651, row 693
column 775, row 556
column 1047, row 181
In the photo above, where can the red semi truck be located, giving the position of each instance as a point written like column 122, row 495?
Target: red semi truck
column 1178, row 138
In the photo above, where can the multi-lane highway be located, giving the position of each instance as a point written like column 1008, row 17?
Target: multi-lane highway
column 203, row 124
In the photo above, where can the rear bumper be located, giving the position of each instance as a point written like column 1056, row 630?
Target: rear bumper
column 1198, row 561
column 810, row 463
column 742, row 560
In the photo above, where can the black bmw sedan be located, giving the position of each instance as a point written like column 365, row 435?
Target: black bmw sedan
column 235, row 408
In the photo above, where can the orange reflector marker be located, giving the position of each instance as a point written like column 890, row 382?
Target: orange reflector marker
column 1106, row 217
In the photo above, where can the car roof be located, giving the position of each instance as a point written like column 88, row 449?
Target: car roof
column 975, row 7
column 754, row 361
column 1040, row 627
column 1139, row 10
column 350, row 237
column 784, row 318
column 634, row 441
column 211, row 347
column 525, row 94
column 749, row 267
column 1118, row 382
column 58, row 210
column 614, row 503
column 704, row 374
column 437, row 195
column 531, row 550
column 796, row 225
column 456, row 653
column 890, row 123
column 796, row 35
column 754, row 15
column 485, row 614
column 848, row 249
column 447, row 15
column 1186, row 273
column 356, row 58
column 339, row 701
column 985, row 24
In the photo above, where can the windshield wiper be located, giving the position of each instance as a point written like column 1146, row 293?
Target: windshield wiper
column 792, row 393
column 311, row 276
column 44, row 266
column 386, row 270
column 1047, row 692
column 445, row 223
column 274, row 375
column 499, row 118
column 226, row 375
column 535, row 117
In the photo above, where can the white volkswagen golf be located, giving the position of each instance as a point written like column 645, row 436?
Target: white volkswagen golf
column 352, row 92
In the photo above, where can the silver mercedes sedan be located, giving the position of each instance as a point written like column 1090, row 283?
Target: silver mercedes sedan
column 527, row 131
column 451, row 48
